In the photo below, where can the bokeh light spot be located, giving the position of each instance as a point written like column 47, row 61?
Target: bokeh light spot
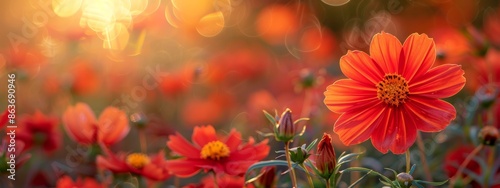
column 335, row 2
column 66, row 8
column 211, row 24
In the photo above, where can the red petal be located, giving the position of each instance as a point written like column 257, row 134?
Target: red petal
column 406, row 132
column 359, row 66
column 347, row 94
column 79, row 123
column 383, row 136
column 203, row 135
column 432, row 115
column 233, row 140
column 237, row 168
column 440, row 82
column 254, row 152
column 354, row 127
column 185, row 167
column 113, row 125
column 419, row 53
column 385, row 49
column 180, row 145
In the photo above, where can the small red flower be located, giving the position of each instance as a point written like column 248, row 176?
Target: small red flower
column 67, row 182
column 152, row 167
column 82, row 126
column 210, row 152
column 393, row 92
column 38, row 129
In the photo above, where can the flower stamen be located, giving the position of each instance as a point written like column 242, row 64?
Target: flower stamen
column 214, row 150
column 138, row 160
column 393, row 89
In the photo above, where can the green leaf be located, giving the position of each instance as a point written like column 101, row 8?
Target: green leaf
column 299, row 120
column 254, row 178
column 270, row 118
column 302, row 132
column 431, row 183
column 412, row 169
column 359, row 180
column 311, row 145
column 386, row 183
column 361, row 169
column 393, row 171
column 270, row 163
column 348, row 158
column 265, row 134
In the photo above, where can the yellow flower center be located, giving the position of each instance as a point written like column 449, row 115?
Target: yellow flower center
column 138, row 160
column 393, row 89
column 214, row 150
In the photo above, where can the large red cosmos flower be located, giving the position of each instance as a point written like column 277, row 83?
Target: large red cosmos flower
column 393, row 92
column 210, row 152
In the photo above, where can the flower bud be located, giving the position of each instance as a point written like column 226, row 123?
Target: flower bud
column 268, row 177
column 488, row 135
column 307, row 78
column 486, row 96
column 139, row 119
column 285, row 127
column 299, row 154
column 325, row 159
column 404, row 179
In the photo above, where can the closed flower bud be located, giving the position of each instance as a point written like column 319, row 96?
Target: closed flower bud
column 286, row 129
column 404, row 179
column 489, row 135
column 325, row 159
column 299, row 154
column 268, row 177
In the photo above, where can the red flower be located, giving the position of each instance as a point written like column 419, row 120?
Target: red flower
column 151, row 167
column 67, row 182
column 209, row 152
column 393, row 92
column 82, row 126
column 38, row 129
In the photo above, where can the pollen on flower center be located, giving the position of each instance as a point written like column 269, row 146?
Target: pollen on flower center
column 393, row 89
column 138, row 160
column 214, row 150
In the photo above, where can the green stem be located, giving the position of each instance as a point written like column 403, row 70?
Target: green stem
column 464, row 164
column 142, row 140
column 309, row 178
column 355, row 175
column 327, row 183
column 491, row 160
column 289, row 161
column 408, row 160
column 420, row 144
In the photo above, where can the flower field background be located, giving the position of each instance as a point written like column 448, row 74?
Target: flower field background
column 234, row 93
